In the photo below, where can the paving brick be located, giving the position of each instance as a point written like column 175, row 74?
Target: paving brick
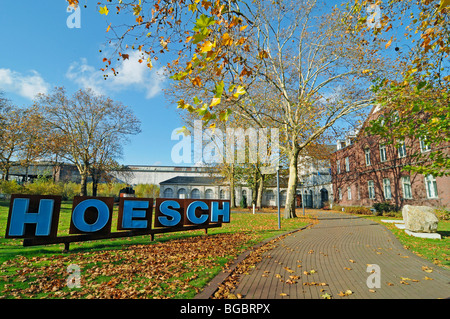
column 339, row 248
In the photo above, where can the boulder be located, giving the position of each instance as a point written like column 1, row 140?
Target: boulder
column 420, row 219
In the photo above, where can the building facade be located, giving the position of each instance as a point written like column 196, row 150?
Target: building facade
column 365, row 171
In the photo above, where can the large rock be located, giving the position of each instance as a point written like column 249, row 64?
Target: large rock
column 419, row 219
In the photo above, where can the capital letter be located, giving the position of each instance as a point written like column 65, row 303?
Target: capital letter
column 224, row 212
column 20, row 216
column 131, row 209
column 79, row 211
column 191, row 212
column 174, row 215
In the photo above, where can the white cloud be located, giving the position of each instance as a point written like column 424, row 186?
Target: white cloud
column 27, row 86
column 130, row 75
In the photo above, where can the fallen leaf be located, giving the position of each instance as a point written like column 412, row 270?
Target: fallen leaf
column 427, row 278
column 283, row 294
column 326, row 296
column 346, row 268
column 352, row 261
column 372, row 290
column 427, row 269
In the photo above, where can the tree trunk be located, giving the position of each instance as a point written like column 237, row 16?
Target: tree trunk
column 289, row 209
column 260, row 191
column 83, row 191
column 231, row 181
column 255, row 188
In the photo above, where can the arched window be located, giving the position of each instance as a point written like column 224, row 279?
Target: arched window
column 168, row 193
column 209, row 194
column 195, row 193
column 182, row 193
column 222, row 194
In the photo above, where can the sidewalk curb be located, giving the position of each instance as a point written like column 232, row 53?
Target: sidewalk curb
column 209, row 290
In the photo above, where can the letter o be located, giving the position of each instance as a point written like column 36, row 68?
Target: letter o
column 79, row 211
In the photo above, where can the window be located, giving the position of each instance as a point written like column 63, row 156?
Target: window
column 349, row 193
column 383, row 153
column 195, row 193
column 387, row 188
column 367, row 156
column 424, row 145
column 402, row 150
column 371, row 189
column 406, row 185
column 168, row 193
column 431, row 186
column 181, row 193
column 270, row 196
column 338, row 164
column 340, row 193
column 209, row 194
column 347, row 164
column 222, row 194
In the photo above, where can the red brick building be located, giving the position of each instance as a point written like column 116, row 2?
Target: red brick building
column 365, row 171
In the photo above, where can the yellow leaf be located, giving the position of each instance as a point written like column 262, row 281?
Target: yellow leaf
column 104, row 10
column 215, row 101
column 389, row 43
column 444, row 3
column 226, row 39
column 109, row 27
column 206, row 46
column 197, row 82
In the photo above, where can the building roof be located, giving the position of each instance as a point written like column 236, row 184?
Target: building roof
column 193, row 180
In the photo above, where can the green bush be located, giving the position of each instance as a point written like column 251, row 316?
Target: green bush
column 385, row 207
column 360, row 210
column 10, row 187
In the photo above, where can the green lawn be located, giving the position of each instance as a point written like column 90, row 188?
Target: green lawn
column 175, row 265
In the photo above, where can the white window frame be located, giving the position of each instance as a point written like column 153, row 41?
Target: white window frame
column 406, row 187
column 340, row 193
column 349, row 192
column 387, row 188
column 424, row 146
column 347, row 164
column 338, row 165
column 402, row 150
column 367, row 156
column 431, row 186
column 371, row 189
column 383, row 155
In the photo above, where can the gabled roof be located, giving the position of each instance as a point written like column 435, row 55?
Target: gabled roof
column 193, row 180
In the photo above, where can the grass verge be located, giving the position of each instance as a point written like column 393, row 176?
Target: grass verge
column 175, row 265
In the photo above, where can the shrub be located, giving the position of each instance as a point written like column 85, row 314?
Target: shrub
column 361, row 210
column 442, row 213
column 385, row 207
column 10, row 187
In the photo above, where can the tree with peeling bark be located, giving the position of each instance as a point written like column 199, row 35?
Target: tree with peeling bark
column 306, row 73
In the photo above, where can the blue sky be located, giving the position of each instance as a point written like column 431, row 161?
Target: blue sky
column 38, row 51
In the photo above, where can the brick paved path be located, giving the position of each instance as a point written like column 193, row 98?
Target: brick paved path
column 339, row 248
